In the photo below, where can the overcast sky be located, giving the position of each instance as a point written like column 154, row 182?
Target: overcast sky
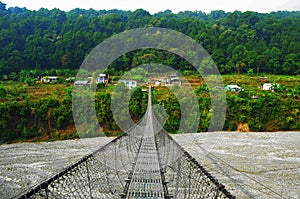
column 154, row 6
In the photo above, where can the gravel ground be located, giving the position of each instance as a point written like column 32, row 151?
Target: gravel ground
column 24, row 165
column 250, row 165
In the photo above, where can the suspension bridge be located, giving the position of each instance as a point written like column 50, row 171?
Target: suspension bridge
column 144, row 162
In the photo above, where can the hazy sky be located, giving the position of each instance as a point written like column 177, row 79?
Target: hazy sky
column 154, row 6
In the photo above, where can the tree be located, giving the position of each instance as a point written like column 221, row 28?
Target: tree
column 13, row 76
column 239, row 55
column 66, row 61
column 291, row 66
column 2, row 6
column 273, row 57
column 46, row 39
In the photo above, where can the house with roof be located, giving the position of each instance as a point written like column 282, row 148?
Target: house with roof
column 103, row 78
column 49, row 79
column 233, row 88
column 129, row 83
column 269, row 86
column 82, row 83
column 174, row 80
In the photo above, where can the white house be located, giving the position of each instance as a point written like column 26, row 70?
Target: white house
column 175, row 80
column 49, row 79
column 269, row 86
column 129, row 83
column 233, row 88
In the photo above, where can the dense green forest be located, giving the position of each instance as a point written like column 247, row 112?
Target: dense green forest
column 238, row 42
column 54, row 42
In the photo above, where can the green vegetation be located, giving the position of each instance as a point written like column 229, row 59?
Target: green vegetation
column 243, row 45
column 44, row 111
column 239, row 42
column 28, row 112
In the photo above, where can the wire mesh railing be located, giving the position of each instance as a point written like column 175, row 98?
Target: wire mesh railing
column 184, row 176
column 98, row 175
column 144, row 162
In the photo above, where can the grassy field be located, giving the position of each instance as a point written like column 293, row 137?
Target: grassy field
column 253, row 82
column 18, row 91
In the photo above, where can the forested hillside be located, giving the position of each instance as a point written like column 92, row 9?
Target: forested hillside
column 55, row 43
column 239, row 42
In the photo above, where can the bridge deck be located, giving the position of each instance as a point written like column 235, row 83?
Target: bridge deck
column 144, row 162
column 146, row 177
column 146, row 181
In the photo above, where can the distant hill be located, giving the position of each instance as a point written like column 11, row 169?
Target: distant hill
column 239, row 42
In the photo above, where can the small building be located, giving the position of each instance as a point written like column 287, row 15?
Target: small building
column 70, row 79
column 269, row 86
column 263, row 78
column 174, row 80
column 103, row 78
column 49, row 79
column 157, row 83
column 82, row 83
column 233, row 88
column 164, row 81
column 129, row 83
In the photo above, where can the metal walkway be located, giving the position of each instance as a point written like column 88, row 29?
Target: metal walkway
column 144, row 162
column 146, row 178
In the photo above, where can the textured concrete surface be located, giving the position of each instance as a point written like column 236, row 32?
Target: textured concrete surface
column 250, row 165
